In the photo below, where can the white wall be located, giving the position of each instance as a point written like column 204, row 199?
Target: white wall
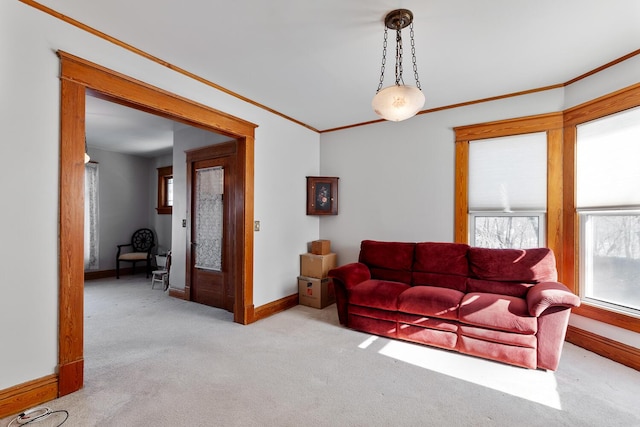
column 29, row 156
column 397, row 179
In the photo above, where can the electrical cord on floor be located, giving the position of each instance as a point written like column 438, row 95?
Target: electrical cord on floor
column 36, row 415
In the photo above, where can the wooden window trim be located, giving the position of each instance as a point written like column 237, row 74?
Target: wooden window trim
column 549, row 123
column 600, row 107
column 164, row 174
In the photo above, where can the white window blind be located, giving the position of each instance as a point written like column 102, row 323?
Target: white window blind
column 608, row 161
column 508, row 173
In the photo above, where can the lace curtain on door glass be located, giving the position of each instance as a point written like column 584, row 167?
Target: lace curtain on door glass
column 209, row 218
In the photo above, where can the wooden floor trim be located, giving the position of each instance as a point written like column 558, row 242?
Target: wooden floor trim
column 178, row 293
column 614, row 350
column 103, row 274
column 27, row 395
column 274, row 307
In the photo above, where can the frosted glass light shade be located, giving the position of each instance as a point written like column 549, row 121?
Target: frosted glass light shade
column 398, row 102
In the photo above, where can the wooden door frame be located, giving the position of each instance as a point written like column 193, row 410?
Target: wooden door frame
column 77, row 77
column 228, row 150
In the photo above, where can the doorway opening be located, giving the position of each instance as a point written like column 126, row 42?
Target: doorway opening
column 77, row 77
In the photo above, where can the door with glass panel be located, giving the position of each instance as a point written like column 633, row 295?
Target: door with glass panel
column 211, row 262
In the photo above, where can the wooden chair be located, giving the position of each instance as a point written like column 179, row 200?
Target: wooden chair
column 162, row 275
column 142, row 242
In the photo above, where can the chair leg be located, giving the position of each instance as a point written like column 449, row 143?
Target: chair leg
column 117, row 269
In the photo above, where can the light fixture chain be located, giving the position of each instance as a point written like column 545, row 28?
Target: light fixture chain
column 413, row 57
column 399, row 57
column 384, row 60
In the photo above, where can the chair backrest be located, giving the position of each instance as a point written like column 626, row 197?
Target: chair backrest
column 142, row 240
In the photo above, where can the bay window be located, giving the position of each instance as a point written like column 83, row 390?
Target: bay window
column 608, row 209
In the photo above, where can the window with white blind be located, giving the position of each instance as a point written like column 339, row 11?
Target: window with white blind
column 608, row 205
column 508, row 191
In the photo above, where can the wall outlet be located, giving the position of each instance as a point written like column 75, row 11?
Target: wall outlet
column 184, row 223
column 256, row 225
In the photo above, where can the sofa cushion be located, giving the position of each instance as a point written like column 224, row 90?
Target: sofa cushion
column 499, row 312
column 380, row 294
column 447, row 258
column 388, row 260
column 431, row 301
column 513, row 265
column 514, row 289
column 450, row 281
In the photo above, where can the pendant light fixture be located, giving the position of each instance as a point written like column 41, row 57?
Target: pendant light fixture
column 399, row 101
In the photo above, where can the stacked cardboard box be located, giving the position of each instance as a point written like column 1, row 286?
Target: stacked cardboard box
column 315, row 289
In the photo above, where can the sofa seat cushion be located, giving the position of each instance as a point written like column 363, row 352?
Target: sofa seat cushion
column 431, row 301
column 499, row 312
column 380, row 294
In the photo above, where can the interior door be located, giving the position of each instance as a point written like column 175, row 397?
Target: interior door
column 212, row 230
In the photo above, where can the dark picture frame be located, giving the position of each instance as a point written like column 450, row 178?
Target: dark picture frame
column 322, row 195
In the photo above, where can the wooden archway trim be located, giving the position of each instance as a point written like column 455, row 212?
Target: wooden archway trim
column 77, row 76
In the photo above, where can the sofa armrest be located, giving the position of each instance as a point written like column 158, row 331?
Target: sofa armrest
column 550, row 294
column 345, row 278
column 350, row 275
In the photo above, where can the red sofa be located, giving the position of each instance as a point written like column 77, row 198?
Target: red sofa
column 500, row 304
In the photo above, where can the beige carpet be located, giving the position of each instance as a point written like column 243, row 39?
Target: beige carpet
column 152, row 360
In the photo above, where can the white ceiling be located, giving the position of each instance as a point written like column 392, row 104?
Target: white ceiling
column 113, row 127
column 319, row 61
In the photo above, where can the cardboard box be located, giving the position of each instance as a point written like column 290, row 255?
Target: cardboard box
column 317, row 293
column 317, row 266
column 321, row 247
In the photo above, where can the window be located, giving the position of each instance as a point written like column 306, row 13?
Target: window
column 608, row 207
column 520, row 191
column 507, row 230
column 508, row 191
column 165, row 190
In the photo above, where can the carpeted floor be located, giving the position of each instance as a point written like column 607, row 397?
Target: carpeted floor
column 152, row 360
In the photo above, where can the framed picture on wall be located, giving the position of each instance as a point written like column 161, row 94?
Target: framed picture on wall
column 322, row 195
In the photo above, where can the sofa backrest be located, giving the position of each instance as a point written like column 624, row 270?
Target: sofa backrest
column 459, row 266
column 509, row 271
column 441, row 264
column 388, row 260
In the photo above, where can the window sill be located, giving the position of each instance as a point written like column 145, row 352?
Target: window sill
column 611, row 317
